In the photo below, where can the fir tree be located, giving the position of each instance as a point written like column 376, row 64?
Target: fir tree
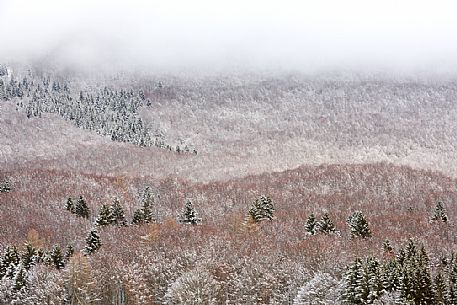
column 69, row 251
column 310, row 225
column 9, row 260
column 145, row 214
column 439, row 287
column 57, row 258
column 359, row 225
column 117, row 213
column 104, row 217
column 387, row 247
column 261, row 209
column 69, row 205
column 29, row 256
column 189, row 215
column 138, row 217
column 325, row 225
column 93, row 242
column 20, row 277
column 440, row 213
column 81, row 208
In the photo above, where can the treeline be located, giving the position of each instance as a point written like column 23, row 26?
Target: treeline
column 106, row 111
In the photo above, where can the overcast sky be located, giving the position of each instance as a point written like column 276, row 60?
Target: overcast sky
column 297, row 35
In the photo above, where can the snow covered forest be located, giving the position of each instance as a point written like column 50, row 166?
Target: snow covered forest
column 226, row 189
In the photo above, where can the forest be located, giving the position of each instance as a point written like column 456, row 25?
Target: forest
column 228, row 189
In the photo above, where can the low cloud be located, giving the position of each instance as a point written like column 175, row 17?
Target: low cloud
column 291, row 35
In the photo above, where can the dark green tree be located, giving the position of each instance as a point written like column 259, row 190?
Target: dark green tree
column 358, row 225
column 81, row 208
column 325, row 225
column 104, row 217
column 310, row 225
column 57, row 258
column 262, row 208
column 93, row 242
column 69, row 205
column 69, row 251
column 145, row 213
column 29, row 256
column 440, row 213
column 440, row 290
column 189, row 215
column 117, row 213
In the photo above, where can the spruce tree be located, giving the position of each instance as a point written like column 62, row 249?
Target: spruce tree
column 189, row 215
column 440, row 213
column 117, row 213
column 69, row 205
column 104, row 216
column 81, row 208
column 145, row 214
column 261, row 209
column 310, row 225
column 29, row 256
column 325, row 225
column 359, row 225
column 93, row 242
column 138, row 217
column 20, row 277
column 57, row 258
column 440, row 290
column 69, row 251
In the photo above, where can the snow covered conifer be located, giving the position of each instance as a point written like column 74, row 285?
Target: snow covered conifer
column 81, row 208
column 310, row 225
column 69, row 251
column 440, row 290
column 117, row 213
column 69, row 205
column 262, row 208
column 440, row 213
column 29, row 256
column 189, row 215
column 325, row 225
column 359, row 225
column 57, row 258
column 104, row 216
column 93, row 242
column 145, row 214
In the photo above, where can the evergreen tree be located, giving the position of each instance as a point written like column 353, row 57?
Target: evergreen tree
column 261, row 209
column 189, row 215
column 8, row 262
column 93, row 242
column 440, row 213
column 439, row 287
column 359, row 225
column 81, row 208
column 138, row 217
column 57, row 258
column 69, row 205
column 117, row 213
column 145, row 214
column 325, row 225
column 69, row 251
column 29, row 256
column 104, row 217
column 20, row 277
column 310, row 225
column 387, row 247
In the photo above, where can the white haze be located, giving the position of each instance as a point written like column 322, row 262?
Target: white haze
column 293, row 35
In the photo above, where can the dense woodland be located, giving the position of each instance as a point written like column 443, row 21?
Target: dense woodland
column 118, row 215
